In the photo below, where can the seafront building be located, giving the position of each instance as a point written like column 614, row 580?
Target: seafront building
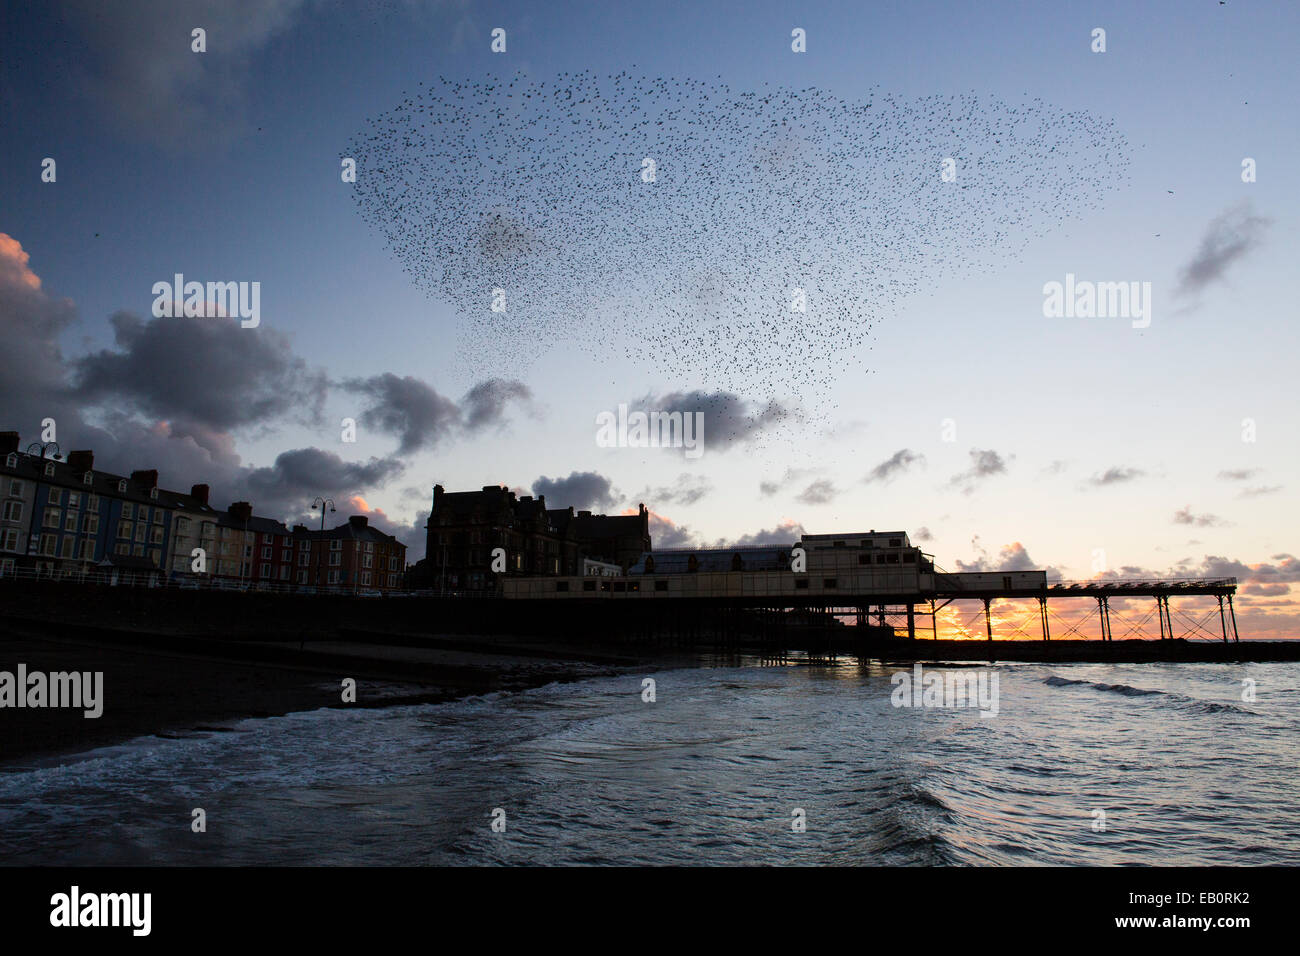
column 68, row 519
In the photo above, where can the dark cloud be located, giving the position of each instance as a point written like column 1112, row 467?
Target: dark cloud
column 1239, row 474
column 1259, row 490
column 205, row 370
column 1115, row 476
column 894, row 465
column 584, row 490
column 288, row 486
column 665, row 533
column 984, row 463
column 408, row 408
column 922, row 534
column 728, row 418
column 1010, row 557
column 1229, row 237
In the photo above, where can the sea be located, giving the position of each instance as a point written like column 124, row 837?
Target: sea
column 798, row 763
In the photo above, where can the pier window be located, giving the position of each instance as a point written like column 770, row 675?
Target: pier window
column 880, row 559
column 895, row 542
column 909, row 557
column 589, row 585
column 829, row 583
column 801, row 584
column 864, row 559
column 661, row 585
column 893, row 559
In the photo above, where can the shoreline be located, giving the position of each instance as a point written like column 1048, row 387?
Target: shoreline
column 168, row 683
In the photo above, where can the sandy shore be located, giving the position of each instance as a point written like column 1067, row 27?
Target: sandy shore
column 164, row 684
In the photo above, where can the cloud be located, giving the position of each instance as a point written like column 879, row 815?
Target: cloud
column 1239, row 474
column 1228, row 238
column 770, row 487
column 1115, row 476
column 1259, row 490
column 205, row 370
column 137, row 65
column 665, row 533
column 820, row 492
column 894, row 465
column 406, row 407
column 984, row 463
column 1010, row 557
column 412, row 533
column 288, row 486
column 1185, row 516
column 786, row 532
column 583, row 490
column 687, row 491
column 728, row 418
column 922, row 534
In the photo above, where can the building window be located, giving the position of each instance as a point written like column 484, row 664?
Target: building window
column 140, row 530
column 13, row 511
column 880, row 559
column 47, row 544
column 9, row 539
column 561, row 585
column 304, row 545
column 336, row 560
column 286, row 555
column 138, row 551
column 365, row 578
column 909, row 557
column 87, row 549
column 12, row 460
column 153, row 493
column 284, row 573
column 336, row 545
column 49, row 469
column 589, row 585
column 266, row 552
column 157, row 516
column 128, row 510
column 893, row 558
column 68, row 548
column 52, row 516
column 74, row 499
column 265, row 571
column 661, row 585
column 91, row 524
column 303, row 559
column 895, row 542
column 801, row 584
column 123, row 548
column 88, row 478
column 302, row 577
column 367, row 560
column 56, row 497
column 121, row 486
column 70, row 521
column 92, row 502
column 16, row 488
column 182, row 525
column 155, row 555
column 829, row 583
column 156, row 536
column 334, row 577
column 864, row 559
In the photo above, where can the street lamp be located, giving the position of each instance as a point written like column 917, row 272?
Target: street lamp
column 321, row 503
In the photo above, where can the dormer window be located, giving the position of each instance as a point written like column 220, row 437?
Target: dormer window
column 153, row 493
column 121, row 486
column 88, row 478
column 49, row 469
column 12, row 460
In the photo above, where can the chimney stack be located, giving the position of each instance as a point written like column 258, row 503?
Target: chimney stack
column 146, row 479
column 358, row 521
column 200, row 492
column 81, row 461
column 241, row 510
column 8, row 442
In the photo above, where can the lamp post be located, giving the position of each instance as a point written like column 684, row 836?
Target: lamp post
column 321, row 503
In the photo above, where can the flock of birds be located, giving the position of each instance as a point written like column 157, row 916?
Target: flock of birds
column 696, row 265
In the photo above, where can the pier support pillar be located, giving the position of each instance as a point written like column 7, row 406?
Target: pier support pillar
column 1042, row 616
column 1233, row 615
column 1223, row 621
column 1160, row 612
column 911, row 624
column 988, row 621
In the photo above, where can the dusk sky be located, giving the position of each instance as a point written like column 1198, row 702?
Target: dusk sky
column 995, row 435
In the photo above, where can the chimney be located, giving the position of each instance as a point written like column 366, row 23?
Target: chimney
column 240, row 510
column 146, row 479
column 81, row 461
column 8, row 442
column 358, row 521
column 300, row 529
column 201, row 493
column 584, row 514
column 496, row 488
column 526, row 498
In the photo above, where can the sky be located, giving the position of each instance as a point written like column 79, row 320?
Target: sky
column 949, row 406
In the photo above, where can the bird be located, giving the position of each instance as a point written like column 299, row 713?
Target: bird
column 725, row 241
